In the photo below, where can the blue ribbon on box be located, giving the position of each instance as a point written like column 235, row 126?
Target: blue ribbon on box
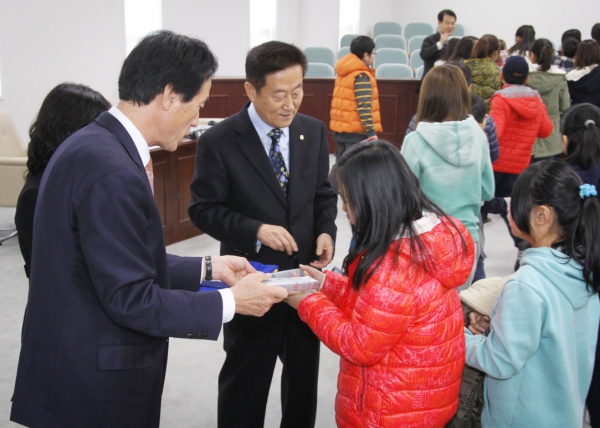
column 216, row 285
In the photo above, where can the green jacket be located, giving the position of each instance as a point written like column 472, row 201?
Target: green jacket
column 486, row 78
column 552, row 86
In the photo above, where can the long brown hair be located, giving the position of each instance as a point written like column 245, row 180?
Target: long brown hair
column 486, row 46
column 444, row 95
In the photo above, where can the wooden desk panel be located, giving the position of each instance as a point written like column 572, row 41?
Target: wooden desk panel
column 398, row 100
column 173, row 171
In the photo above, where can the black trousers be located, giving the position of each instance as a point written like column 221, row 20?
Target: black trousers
column 504, row 186
column 252, row 346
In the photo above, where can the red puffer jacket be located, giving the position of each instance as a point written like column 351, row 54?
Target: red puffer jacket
column 400, row 337
column 521, row 117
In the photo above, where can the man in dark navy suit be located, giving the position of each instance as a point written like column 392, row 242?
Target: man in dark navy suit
column 104, row 295
column 260, row 187
column 433, row 46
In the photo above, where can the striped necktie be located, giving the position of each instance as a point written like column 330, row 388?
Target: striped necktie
column 150, row 174
column 277, row 160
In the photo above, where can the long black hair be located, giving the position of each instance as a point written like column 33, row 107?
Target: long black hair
column 66, row 109
column 544, row 53
column 385, row 198
column 580, row 124
column 464, row 49
column 527, row 35
column 554, row 184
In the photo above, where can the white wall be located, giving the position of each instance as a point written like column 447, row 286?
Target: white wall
column 223, row 25
column 318, row 23
column 45, row 43
column 502, row 18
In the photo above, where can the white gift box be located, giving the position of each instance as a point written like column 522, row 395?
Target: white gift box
column 293, row 280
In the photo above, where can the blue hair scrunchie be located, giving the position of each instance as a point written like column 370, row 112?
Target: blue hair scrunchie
column 587, row 190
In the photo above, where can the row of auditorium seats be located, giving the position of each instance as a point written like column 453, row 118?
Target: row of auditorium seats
column 385, row 55
column 388, row 70
column 321, row 60
column 412, row 29
column 391, row 47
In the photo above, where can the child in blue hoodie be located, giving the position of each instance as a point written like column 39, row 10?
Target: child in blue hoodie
column 580, row 128
column 448, row 152
column 539, row 354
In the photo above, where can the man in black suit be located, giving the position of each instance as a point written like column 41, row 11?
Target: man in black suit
column 260, row 187
column 101, row 301
column 434, row 45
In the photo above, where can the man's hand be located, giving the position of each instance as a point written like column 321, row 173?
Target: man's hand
column 444, row 37
column 252, row 297
column 478, row 323
column 324, row 251
column 277, row 238
column 230, row 269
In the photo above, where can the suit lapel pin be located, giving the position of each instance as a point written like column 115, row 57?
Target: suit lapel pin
column 302, row 137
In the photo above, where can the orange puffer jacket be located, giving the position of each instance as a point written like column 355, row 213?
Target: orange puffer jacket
column 344, row 109
column 521, row 117
column 400, row 337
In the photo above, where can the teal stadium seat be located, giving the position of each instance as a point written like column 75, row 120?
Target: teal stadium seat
column 419, row 72
column 415, row 59
column 321, row 55
column 391, row 56
column 317, row 69
column 394, row 71
column 343, row 52
column 415, row 43
column 347, row 39
column 417, row 29
column 386, row 27
column 390, row 41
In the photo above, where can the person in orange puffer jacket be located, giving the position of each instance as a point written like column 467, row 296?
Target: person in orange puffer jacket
column 355, row 105
column 396, row 319
column 521, row 117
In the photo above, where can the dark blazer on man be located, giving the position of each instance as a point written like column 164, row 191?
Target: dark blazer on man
column 235, row 191
column 430, row 53
column 100, row 306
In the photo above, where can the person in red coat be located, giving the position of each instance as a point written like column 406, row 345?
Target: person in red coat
column 396, row 319
column 521, row 117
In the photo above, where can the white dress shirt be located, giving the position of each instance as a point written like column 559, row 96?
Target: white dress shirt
column 144, row 152
column 284, row 142
column 263, row 129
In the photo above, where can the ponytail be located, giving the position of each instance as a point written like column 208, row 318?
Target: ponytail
column 580, row 124
column 584, row 245
column 544, row 52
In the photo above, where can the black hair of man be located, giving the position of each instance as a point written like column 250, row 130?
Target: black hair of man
column 569, row 47
column 445, row 12
column 572, row 33
column 271, row 57
column 362, row 45
column 596, row 32
column 165, row 58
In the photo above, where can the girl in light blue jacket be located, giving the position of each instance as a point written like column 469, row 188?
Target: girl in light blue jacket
column 539, row 354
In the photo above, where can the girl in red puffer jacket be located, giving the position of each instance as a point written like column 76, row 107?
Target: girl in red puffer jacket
column 396, row 320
